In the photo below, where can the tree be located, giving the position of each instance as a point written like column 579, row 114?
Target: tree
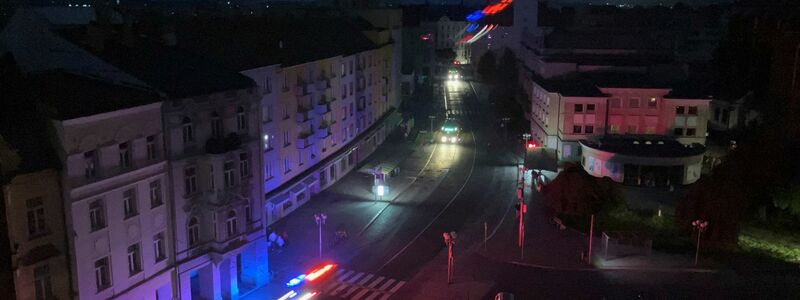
column 487, row 66
column 507, row 69
column 788, row 199
column 575, row 192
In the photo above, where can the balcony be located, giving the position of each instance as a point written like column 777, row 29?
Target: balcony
column 302, row 115
column 323, row 130
column 304, row 140
column 323, row 83
column 322, row 108
column 301, row 89
column 223, row 145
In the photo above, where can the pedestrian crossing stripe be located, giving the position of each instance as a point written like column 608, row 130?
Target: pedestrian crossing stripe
column 353, row 285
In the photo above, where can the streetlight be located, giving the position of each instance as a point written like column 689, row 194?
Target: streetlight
column 320, row 219
column 450, row 240
column 700, row 227
column 379, row 187
column 526, row 136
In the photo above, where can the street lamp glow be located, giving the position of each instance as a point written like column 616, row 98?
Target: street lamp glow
column 381, row 190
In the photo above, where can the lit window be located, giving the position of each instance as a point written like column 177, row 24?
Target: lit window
column 159, row 251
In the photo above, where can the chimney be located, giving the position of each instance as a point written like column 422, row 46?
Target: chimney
column 168, row 36
column 95, row 37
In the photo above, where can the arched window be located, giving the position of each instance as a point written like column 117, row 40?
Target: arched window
column 231, row 224
column 188, row 130
column 241, row 119
column 194, row 232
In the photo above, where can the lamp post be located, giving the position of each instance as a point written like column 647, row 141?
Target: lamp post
column 320, row 219
column 450, row 240
column 525, row 136
column 699, row 226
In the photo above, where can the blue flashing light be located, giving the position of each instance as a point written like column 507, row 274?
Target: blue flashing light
column 477, row 15
column 295, row 281
column 472, row 27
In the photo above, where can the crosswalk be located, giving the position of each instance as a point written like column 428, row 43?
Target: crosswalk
column 356, row 285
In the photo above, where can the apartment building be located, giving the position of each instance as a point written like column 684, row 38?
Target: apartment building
column 31, row 196
column 327, row 96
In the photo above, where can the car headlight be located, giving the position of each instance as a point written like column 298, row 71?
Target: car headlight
column 453, row 139
column 444, row 139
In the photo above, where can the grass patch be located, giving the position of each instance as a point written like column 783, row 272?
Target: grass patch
column 776, row 244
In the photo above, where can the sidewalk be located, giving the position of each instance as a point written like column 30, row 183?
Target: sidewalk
column 349, row 205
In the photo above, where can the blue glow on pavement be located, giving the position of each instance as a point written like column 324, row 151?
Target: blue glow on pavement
column 295, row 281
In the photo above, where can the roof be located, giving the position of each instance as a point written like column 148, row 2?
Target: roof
column 175, row 71
column 610, row 59
column 573, row 85
column 250, row 42
column 609, row 39
column 656, row 146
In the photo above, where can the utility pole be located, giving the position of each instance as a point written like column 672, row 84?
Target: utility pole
column 700, row 227
column 450, row 240
column 525, row 136
column 320, row 219
column 591, row 235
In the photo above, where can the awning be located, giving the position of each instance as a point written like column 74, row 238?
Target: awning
column 298, row 188
column 279, row 198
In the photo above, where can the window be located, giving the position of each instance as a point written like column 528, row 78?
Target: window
column 189, row 180
column 631, row 129
column 125, row 160
column 248, row 214
column 693, row 110
column 267, row 142
column 267, row 85
column 152, row 151
column 267, row 113
column 129, row 203
column 37, row 225
column 244, row 165
column 299, row 157
column 351, row 89
column 134, row 260
column 228, row 171
column 652, row 104
column 267, row 171
column 679, row 110
column 212, row 184
column 344, row 91
column 231, row 224
column 633, row 102
column 677, row 132
column 216, row 125
column 589, row 129
column 351, row 109
column 156, row 199
column 159, row 251
column 576, row 129
column 578, row 108
column 614, row 103
column 241, row 119
column 285, row 111
column 351, row 70
column 344, row 113
column 43, row 288
column 691, row 131
column 590, row 108
column 90, row 169
column 343, row 70
column 194, row 232
column 188, row 131
column 286, row 168
column 102, row 274
column 97, row 215
column 286, row 138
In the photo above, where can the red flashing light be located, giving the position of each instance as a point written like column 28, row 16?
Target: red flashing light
column 319, row 272
column 531, row 145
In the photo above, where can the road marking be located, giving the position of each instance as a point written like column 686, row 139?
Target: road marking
column 354, row 285
column 472, row 168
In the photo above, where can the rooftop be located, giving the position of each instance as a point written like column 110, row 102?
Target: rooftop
column 655, row 146
column 250, row 42
column 173, row 70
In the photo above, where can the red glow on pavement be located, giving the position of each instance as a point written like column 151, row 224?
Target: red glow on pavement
column 319, row 272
